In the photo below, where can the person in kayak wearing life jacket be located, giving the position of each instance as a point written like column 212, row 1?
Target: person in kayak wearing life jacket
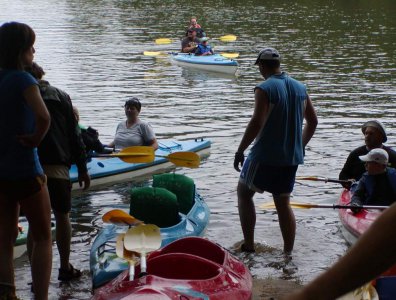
column 190, row 42
column 377, row 186
column 133, row 131
column 374, row 137
column 61, row 147
column 203, row 47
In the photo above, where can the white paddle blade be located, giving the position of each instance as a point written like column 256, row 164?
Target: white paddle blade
column 143, row 238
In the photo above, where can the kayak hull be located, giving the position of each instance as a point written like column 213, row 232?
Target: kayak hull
column 189, row 268
column 105, row 171
column 354, row 225
column 104, row 263
column 212, row 63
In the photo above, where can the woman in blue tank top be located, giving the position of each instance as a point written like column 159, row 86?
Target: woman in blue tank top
column 24, row 121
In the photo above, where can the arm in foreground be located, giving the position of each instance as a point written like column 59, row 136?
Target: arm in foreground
column 374, row 253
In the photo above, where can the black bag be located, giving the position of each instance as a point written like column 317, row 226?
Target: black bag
column 91, row 141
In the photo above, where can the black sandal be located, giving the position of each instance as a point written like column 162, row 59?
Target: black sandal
column 67, row 275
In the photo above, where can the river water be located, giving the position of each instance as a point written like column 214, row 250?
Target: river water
column 344, row 51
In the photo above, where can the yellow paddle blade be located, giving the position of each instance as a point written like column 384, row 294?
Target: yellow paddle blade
column 184, row 159
column 136, row 154
column 163, row 41
column 143, row 239
column 119, row 217
column 229, row 55
column 228, row 38
column 153, row 53
column 271, row 205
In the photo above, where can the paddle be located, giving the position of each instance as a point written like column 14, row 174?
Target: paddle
column 271, row 205
column 134, row 154
column 183, row 159
column 145, row 154
column 143, row 239
column 159, row 53
column 119, row 217
column 125, row 254
column 163, row 41
column 224, row 38
column 317, row 178
column 154, row 53
column 229, row 55
column 228, row 38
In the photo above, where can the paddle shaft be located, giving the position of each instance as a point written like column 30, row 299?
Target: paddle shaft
column 143, row 265
column 333, row 206
column 313, row 178
column 145, row 154
column 131, row 270
column 336, row 206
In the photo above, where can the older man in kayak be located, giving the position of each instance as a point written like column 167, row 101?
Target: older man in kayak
column 190, row 42
column 374, row 137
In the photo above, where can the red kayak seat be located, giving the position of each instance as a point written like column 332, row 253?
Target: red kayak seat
column 183, row 266
column 195, row 246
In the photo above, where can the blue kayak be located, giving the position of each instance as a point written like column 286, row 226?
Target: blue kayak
column 213, row 63
column 106, row 265
column 111, row 170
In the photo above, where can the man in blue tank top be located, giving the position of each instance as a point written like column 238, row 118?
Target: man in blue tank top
column 276, row 127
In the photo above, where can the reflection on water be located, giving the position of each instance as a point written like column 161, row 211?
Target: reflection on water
column 343, row 51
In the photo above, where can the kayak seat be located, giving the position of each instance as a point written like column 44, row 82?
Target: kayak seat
column 182, row 186
column 154, row 206
column 182, row 266
column 195, row 246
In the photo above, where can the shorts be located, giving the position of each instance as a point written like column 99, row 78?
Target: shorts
column 20, row 189
column 60, row 194
column 277, row 180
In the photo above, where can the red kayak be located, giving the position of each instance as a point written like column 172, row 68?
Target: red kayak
column 354, row 225
column 190, row 268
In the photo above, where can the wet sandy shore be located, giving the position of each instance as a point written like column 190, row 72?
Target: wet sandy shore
column 272, row 288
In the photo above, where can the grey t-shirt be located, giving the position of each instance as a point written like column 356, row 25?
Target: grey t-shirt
column 139, row 134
